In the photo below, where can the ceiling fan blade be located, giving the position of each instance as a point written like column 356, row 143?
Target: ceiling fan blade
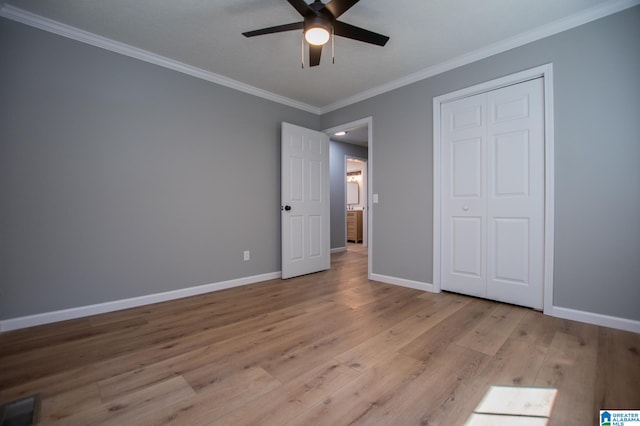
column 301, row 6
column 314, row 55
column 356, row 33
column 276, row 29
column 338, row 7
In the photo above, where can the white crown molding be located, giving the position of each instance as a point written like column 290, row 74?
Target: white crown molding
column 37, row 21
column 117, row 305
column 547, row 30
column 55, row 27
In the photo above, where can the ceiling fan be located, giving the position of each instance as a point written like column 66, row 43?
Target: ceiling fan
column 320, row 23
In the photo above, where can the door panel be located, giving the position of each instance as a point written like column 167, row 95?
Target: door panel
column 305, row 191
column 511, row 256
column 511, row 159
column 516, row 199
column 296, row 177
column 467, row 246
column 467, row 117
column 466, row 270
column 463, row 180
column 296, row 244
column 510, row 107
column 315, row 236
column 315, row 181
column 466, row 168
column 492, row 194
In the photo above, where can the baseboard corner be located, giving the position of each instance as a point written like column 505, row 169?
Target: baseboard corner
column 594, row 318
column 418, row 285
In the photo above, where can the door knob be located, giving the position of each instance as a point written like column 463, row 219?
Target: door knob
column 287, row 208
column 465, row 208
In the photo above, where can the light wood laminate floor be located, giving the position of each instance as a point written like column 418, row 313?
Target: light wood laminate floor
column 330, row 348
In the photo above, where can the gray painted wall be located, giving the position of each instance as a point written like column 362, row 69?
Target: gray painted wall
column 119, row 178
column 597, row 152
column 337, row 172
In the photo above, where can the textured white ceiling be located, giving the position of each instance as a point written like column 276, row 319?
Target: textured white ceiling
column 207, row 34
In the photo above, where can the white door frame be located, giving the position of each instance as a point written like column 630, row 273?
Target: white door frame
column 546, row 72
column 365, row 184
column 369, row 122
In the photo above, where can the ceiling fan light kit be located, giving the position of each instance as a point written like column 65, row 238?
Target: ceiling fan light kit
column 320, row 24
column 317, row 36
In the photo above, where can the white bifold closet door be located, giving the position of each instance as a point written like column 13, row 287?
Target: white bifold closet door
column 493, row 194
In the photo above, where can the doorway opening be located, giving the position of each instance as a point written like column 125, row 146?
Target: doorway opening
column 356, row 202
column 350, row 146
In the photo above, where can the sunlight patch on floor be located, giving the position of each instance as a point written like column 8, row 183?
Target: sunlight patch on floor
column 515, row 406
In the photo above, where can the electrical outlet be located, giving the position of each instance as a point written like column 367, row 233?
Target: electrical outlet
column 247, row 255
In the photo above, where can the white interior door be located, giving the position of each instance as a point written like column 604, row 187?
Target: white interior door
column 304, row 201
column 464, row 223
column 493, row 194
column 515, row 212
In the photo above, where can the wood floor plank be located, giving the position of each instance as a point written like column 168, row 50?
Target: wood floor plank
column 365, row 323
column 362, row 295
column 162, row 332
column 427, row 397
column 130, row 409
column 569, row 357
column 537, row 328
column 68, row 403
column 264, row 338
column 434, row 342
column 618, row 370
column 373, row 388
column 327, row 348
column 515, row 364
column 489, row 334
column 220, row 397
column 385, row 344
column 20, row 341
column 283, row 404
column 62, row 380
column 65, row 355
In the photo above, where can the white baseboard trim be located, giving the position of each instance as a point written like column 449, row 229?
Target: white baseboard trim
column 593, row 318
column 116, row 305
column 338, row 249
column 555, row 311
column 402, row 282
